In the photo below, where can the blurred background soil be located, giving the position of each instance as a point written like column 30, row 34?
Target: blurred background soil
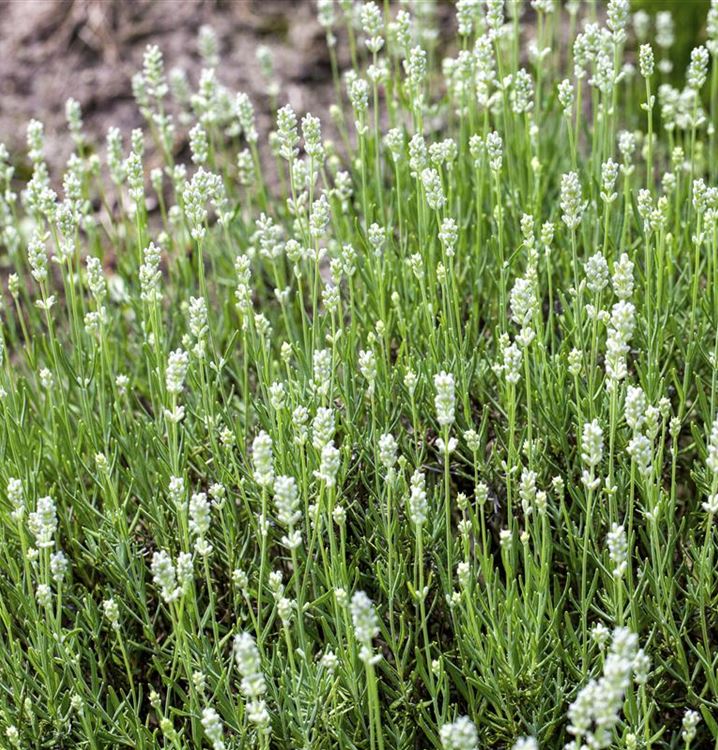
column 89, row 49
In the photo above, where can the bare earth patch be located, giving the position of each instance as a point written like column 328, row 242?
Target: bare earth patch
column 89, row 50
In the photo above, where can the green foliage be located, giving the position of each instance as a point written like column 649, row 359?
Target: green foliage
column 404, row 438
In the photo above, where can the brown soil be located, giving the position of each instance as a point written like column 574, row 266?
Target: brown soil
column 89, row 49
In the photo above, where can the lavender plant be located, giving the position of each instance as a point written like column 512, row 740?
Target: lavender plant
column 396, row 430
